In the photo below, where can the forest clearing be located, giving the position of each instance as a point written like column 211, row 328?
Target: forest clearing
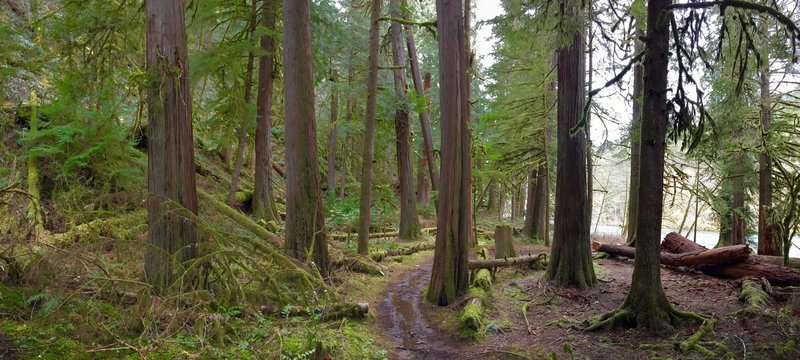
column 399, row 179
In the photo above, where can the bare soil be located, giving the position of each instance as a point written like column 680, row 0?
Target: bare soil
column 423, row 331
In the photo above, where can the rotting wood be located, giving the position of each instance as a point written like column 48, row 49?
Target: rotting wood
column 327, row 313
column 495, row 263
column 408, row 250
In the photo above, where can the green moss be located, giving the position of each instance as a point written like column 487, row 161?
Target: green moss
column 483, row 280
column 784, row 351
column 753, row 295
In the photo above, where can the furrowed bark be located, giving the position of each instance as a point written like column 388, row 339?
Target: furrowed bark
column 767, row 241
column 635, row 141
column 331, row 159
column 264, row 207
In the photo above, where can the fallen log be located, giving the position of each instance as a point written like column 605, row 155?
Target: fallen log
column 775, row 274
column 408, row 250
column 777, row 260
column 377, row 235
column 472, row 315
column 724, row 255
column 495, row 263
column 327, row 313
column 483, row 280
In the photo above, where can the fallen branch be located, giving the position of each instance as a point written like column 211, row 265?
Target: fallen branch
column 240, row 219
column 382, row 254
column 495, row 263
column 327, row 313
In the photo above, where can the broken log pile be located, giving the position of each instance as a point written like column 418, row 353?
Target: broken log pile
column 729, row 262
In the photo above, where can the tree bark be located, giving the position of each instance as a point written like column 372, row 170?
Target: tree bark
column 424, row 113
column 530, row 204
column 368, row 152
column 423, row 186
column 331, row 159
column 263, row 195
column 504, row 242
column 305, row 231
column 409, row 222
column 767, row 242
column 571, row 255
column 635, row 143
column 248, row 90
column 171, row 236
column 449, row 274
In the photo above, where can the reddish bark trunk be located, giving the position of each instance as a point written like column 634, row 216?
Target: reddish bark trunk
column 305, row 231
column 767, row 243
column 171, row 235
column 718, row 256
column 263, row 196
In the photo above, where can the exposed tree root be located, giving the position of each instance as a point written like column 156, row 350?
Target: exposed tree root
column 657, row 319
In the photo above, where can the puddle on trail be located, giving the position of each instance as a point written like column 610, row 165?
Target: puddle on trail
column 402, row 317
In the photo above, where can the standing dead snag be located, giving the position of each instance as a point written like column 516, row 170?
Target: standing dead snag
column 503, row 242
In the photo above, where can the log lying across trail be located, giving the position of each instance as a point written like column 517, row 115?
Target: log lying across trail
column 730, row 264
column 495, row 263
column 374, row 235
column 408, row 250
column 723, row 255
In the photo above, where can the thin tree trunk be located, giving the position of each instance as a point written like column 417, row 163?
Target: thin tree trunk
column 424, row 113
column 409, row 222
column 541, row 204
column 737, row 206
column 264, row 207
column 635, row 142
column 248, row 90
column 34, row 208
column 571, row 254
column 767, row 242
column 331, row 174
column 172, row 199
column 530, row 204
column 305, row 231
column 450, row 273
column 423, row 186
column 368, row 152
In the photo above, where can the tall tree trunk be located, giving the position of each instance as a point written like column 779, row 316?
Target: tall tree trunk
column 424, row 113
column 450, row 273
column 248, row 90
column 264, row 207
column 646, row 305
column 172, row 199
column 409, row 222
column 635, row 142
column 466, row 133
column 530, row 204
column 767, row 241
column 368, row 152
column 737, row 206
column 331, row 173
column 305, row 231
column 571, row 254
column 34, row 209
column 491, row 203
column 540, row 205
column 589, row 148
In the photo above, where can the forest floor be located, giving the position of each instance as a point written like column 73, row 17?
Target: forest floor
column 417, row 330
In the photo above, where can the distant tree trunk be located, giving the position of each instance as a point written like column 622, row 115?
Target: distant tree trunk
column 737, row 206
column 368, row 152
column 635, row 142
column 171, row 235
column 409, row 222
column 305, row 231
column 263, row 195
column 450, row 273
column 424, row 113
column 248, row 90
column 767, row 242
column 571, row 254
column 540, row 205
column 530, row 204
column 491, row 204
column 331, row 173
column 423, row 186
column 501, row 205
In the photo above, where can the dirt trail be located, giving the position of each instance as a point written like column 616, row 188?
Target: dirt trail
column 401, row 315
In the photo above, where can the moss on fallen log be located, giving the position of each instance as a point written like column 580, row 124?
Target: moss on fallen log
column 753, row 295
column 483, row 280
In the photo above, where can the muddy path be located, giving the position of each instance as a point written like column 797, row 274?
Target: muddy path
column 402, row 315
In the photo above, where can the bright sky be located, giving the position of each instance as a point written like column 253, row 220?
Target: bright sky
column 615, row 104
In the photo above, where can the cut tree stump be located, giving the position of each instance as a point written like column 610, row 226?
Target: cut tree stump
column 495, row 263
column 724, row 255
column 775, row 274
column 503, row 242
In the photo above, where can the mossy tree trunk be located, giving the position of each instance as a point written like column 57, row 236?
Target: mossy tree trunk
column 263, row 195
column 35, row 209
column 571, row 254
column 646, row 305
column 767, row 241
column 305, row 233
column 635, row 142
column 248, row 91
column 368, row 151
column 450, row 273
column 409, row 222
column 171, row 237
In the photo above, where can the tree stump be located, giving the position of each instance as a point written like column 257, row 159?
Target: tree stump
column 503, row 242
